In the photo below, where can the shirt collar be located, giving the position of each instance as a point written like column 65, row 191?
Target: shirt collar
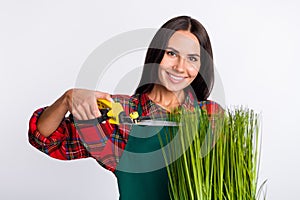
column 151, row 108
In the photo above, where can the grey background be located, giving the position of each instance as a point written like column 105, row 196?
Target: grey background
column 44, row 43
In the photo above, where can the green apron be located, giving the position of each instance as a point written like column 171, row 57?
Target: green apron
column 141, row 172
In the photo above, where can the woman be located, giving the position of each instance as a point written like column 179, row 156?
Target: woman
column 178, row 72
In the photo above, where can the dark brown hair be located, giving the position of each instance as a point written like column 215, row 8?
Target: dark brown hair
column 203, row 83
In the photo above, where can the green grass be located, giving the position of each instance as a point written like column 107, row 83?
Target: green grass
column 220, row 157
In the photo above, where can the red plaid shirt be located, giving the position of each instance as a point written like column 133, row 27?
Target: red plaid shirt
column 105, row 142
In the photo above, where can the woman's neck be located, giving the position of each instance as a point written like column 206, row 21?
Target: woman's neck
column 165, row 98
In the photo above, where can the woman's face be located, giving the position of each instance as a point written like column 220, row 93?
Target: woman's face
column 181, row 61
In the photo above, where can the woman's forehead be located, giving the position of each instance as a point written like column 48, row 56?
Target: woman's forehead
column 184, row 42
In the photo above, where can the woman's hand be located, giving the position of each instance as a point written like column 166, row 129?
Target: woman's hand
column 82, row 103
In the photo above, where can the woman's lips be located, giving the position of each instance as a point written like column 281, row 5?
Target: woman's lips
column 174, row 78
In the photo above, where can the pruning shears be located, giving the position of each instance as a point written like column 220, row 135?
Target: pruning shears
column 115, row 114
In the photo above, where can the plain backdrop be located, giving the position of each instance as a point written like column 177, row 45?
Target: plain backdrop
column 43, row 45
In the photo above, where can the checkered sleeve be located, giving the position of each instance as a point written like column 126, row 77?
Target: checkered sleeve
column 211, row 107
column 105, row 141
column 64, row 143
column 215, row 114
column 75, row 139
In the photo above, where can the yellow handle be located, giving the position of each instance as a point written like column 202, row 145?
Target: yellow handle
column 103, row 104
column 114, row 110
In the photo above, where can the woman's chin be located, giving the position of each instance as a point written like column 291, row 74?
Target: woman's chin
column 173, row 89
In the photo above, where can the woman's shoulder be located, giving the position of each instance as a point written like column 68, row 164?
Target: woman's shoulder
column 210, row 106
column 125, row 99
column 129, row 103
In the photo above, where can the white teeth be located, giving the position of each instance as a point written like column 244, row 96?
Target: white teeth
column 176, row 77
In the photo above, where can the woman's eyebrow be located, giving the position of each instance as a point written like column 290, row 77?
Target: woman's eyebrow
column 176, row 51
column 171, row 48
column 194, row 54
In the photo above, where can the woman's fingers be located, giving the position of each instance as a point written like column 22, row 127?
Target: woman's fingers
column 86, row 111
column 83, row 103
column 94, row 111
column 103, row 95
column 79, row 114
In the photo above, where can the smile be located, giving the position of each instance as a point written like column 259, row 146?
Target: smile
column 175, row 79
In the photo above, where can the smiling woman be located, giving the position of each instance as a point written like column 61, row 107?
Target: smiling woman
column 178, row 74
column 192, row 41
column 178, row 68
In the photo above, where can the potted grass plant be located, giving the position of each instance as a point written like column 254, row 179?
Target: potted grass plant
column 219, row 156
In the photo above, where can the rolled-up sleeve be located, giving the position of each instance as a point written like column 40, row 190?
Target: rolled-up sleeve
column 64, row 143
column 75, row 139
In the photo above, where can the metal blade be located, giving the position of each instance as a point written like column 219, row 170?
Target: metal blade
column 156, row 123
column 152, row 123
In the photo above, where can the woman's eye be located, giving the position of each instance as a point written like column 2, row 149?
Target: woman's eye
column 171, row 53
column 193, row 59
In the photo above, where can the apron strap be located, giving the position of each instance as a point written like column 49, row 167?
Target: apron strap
column 140, row 109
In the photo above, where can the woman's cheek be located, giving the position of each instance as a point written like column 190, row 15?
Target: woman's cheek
column 193, row 72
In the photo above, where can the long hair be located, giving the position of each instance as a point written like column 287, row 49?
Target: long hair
column 203, row 83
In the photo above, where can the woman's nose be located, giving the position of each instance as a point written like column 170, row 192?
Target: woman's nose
column 180, row 64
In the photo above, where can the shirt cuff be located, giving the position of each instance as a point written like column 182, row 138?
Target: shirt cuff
column 40, row 141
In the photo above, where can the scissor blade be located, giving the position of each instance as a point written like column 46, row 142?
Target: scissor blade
column 156, row 123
